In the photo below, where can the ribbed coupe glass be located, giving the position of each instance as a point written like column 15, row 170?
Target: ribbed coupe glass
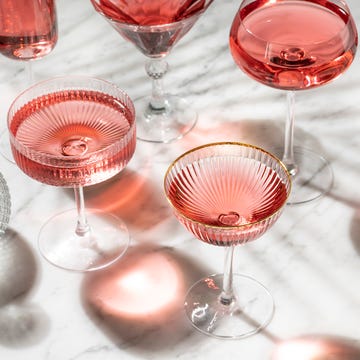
column 75, row 131
column 228, row 194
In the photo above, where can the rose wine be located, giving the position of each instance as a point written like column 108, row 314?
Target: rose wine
column 154, row 27
column 28, row 28
column 228, row 200
column 146, row 13
column 293, row 45
column 72, row 137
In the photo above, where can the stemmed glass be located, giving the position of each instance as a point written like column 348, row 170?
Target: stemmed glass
column 28, row 31
column 295, row 45
column 154, row 27
column 227, row 194
column 74, row 132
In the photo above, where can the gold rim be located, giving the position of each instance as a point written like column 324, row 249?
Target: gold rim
column 234, row 143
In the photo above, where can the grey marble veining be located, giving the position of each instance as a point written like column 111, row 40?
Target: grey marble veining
column 310, row 259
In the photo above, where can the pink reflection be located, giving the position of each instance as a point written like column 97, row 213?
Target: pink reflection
column 145, row 285
column 132, row 197
column 316, row 348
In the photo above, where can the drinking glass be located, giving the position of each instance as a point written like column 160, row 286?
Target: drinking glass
column 75, row 131
column 28, row 31
column 154, row 27
column 295, row 45
column 227, row 194
column 5, row 205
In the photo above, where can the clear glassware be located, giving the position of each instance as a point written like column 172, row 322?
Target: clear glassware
column 5, row 205
column 227, row 194
column 154, row 28
column 28, row 31
column 295, row 45
column 73, row 132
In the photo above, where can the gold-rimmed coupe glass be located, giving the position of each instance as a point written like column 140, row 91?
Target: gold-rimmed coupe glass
column 227, row 194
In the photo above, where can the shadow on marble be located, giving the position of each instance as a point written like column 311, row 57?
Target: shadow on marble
column 268, row 134
column 22, row 323
column 138, row 302
column 317, row 347
column 131, row 196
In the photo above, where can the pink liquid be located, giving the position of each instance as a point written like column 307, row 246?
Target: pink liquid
column 293, row 45
column 28, row 28
column 238, row 191
column 145, row 13
column 136, row 21
column 67, row 138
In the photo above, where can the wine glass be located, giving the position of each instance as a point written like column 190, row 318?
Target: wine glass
column 227, row 194
column 28, row 31
column 75, row 131
column 154, row 27
column 295, row 45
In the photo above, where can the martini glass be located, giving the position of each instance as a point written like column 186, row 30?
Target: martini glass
column 295, row 45
column 28, row 31
column 227, row 194
column 154, row 27
column 74, row 132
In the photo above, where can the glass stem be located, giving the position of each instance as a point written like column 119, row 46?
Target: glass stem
column 288, row 157
column 30, row 73
column 227, row 294
column 156, row 69
column 82, row 226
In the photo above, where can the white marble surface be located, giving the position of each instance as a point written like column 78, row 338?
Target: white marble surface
column 310, row 259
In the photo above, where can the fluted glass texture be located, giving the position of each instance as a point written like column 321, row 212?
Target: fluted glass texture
column 72, row 131
column 5, row 205
column 227, row 193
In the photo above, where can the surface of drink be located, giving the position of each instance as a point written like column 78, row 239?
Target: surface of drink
column 292, row 44
column 72, row 137
column 228, row 202
column 28, row 28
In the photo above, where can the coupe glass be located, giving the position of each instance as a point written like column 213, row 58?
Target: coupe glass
column 154, row 27
column 295, row 45
column 74, row 132
column 227, row 194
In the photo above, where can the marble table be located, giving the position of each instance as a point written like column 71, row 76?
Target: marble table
column 310, row 259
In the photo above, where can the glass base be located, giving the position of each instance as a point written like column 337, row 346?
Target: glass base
column 106, row 242
column 252, row 310
column 166, row 125
column 313, row 179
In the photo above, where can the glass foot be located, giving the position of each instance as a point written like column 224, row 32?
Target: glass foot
column 248, row 314
column 106, row 242
column 166, row 125
column 313, row 179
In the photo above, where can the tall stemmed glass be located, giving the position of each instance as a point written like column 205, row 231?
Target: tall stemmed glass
column 74, row 132
column 227, row 194
column 295, row 45
column 154, row 27
column 28, row 31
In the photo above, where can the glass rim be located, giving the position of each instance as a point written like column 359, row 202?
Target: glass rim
column 231, row 143
column 76, row 159
column 344, row 7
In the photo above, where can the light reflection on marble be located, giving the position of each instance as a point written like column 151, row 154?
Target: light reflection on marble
column 310, row 260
